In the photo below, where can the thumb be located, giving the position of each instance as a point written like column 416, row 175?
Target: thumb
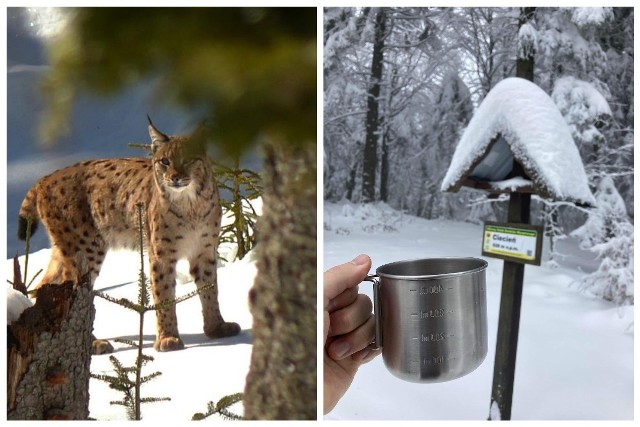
column 344, row 276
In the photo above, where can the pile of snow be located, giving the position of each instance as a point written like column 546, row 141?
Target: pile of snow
column 569, row 91
column 610, row 209
column 511, row 184
column 17, row 302
column 582, row 105
column 527, row 41
column 526, row 117
column 575, row 351
column 368, row 218
column 583, row 16
column 609, row 233
column 613, row 280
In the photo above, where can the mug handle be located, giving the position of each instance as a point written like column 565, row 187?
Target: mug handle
column 376, row 344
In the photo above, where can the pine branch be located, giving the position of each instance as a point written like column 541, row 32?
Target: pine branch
column 113, row 382
column 230, row 416
column 154, row 399
column 27, row 247
column 162, row 305
column 34, row 278
column 221, row 408
column 227, row 401
column 117, row 365
column 148, row 378
column 147, row 358
column 244, row 185
column 126, row 341
column 124, row 302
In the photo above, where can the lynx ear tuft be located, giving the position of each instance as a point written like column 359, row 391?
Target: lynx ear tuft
column 157, row 137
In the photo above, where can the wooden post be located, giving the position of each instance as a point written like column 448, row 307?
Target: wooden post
column 509, row 320
column 512, row 279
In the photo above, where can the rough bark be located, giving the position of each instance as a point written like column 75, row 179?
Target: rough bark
column 282, row 380
column 384, row 172
column 49, row 354
column 372, row 125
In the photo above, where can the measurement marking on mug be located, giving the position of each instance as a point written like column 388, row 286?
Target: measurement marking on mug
column 433, row 289
column 434, row 337
column 437, row 360
column 434, row 313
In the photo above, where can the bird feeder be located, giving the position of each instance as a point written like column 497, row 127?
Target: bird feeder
column 518, row 142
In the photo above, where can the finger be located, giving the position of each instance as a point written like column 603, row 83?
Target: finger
column 351, row 317
column 353, row 342
column 344, row 276
column 345, row 299
column 366, row 355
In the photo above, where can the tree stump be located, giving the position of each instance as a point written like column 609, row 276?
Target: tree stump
column 49, row 354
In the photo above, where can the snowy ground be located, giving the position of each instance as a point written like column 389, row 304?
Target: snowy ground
column 575, row 352
column 206, row 370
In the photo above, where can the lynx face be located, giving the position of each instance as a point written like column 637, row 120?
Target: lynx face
column 179, row 166
column 177, row 173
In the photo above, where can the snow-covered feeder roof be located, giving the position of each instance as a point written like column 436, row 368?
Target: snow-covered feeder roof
column 518, row 121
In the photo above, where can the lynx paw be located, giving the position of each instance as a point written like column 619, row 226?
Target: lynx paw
column 223, row 330
column 101, row 347
column 168, row 344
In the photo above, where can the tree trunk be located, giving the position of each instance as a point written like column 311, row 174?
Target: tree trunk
column 49, row 354
column 372, row 125
column 282, row 380
column 384, row 161
column 384, row 172
column 351, row 183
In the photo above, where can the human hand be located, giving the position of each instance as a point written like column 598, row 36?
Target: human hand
column 349, row 327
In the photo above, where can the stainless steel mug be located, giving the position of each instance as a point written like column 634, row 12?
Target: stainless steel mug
column 431, row 317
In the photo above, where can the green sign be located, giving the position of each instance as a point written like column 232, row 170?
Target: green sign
column 512, row 242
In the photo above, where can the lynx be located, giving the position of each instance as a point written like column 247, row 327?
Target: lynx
column 90, row 207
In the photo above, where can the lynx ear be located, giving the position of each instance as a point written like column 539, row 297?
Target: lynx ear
column 157, row 137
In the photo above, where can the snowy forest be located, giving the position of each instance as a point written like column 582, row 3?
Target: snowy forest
column 402, row 84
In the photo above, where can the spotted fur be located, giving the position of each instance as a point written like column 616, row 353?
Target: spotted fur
column 90, row 207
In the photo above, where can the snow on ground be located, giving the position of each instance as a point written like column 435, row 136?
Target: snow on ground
column 575, row 352
column 205, row 370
